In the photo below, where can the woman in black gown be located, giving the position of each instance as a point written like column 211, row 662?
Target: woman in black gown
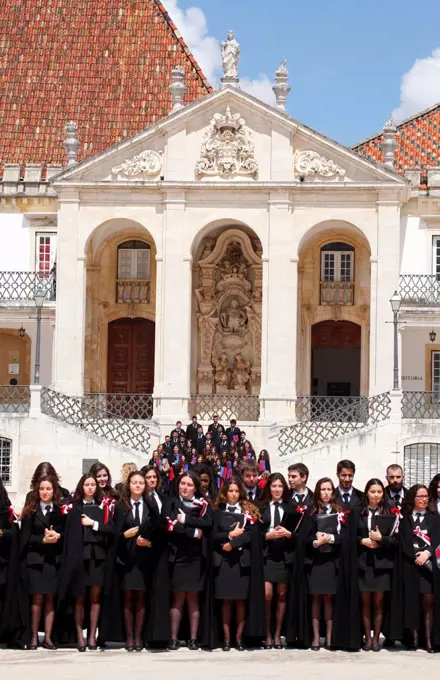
column 377, row 554
column 189, row 517
column 322, row 559
column 234, row 519
column 41, row 546
column 46, row 469
column 104, row 479
column 278, row 552
column 8, row 545
column 136, row 519
column 89, row 527
column 419, row 533
column 153, row 486
column 434, row 495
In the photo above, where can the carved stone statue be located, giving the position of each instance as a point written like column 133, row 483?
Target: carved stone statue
column 230, row 56
column 222, row 376
column 233, row 318
column 241, row 372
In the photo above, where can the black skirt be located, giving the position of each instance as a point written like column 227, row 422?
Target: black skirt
column 231, row 580
column 135, row 578
column 425, row 580
column 374, row 581
column 276, row 571
column 322, row 575
column 43, row 578
column 186, row 575
column 92, row 575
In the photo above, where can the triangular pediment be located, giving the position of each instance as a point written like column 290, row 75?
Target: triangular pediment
column 229, row 136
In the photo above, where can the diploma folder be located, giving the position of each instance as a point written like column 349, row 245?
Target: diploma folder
column 327, row 524
column 385, row 524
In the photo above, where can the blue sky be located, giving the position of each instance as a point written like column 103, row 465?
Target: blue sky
column 351, row 62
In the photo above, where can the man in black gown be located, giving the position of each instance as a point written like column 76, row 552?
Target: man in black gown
column 346, row 495
column 395, row 489
column 298, row 474
column 249, row 477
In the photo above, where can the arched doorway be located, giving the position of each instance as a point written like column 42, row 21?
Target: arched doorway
column 130, row 367
column 336, row 359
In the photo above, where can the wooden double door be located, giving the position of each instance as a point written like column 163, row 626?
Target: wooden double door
column 130, row 367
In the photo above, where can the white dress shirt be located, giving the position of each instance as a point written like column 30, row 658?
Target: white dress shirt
column 343, row 492
column 272, row 514
column 157, row 499
column 371, row 513
column 438, row 506
column 418, row 512
column 253, row 491
column 43, row 507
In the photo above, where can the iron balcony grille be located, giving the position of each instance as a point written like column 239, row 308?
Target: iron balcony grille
column 23, row 286
column 421, row 405
column 227, row 406
column 337, row 293
column 421, row 462
column 15, row 399
column 6, row 460
column 420, row 289
column 326, row 409
column 339, row 421
column 134, row 406
column 80, row 413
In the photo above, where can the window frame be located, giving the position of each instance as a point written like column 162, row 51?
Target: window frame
column 134, row 264
column 52, row 236
column 337, row 255
column 6, row 477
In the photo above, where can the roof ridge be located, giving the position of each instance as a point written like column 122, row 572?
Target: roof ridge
column 183, row 44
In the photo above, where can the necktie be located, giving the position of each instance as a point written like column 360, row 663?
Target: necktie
column 397, row 500
column 419, row 519
column 250, row 496
column 346, row 498
column 137, row 517
column 300, row 498
column 231, row 508
column 48, row 509
column 373, row 514
column 276, row 515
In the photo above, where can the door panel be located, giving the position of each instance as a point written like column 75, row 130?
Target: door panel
column 131, row 356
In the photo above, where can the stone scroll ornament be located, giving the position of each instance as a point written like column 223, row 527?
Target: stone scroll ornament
column 311, row 165
column 227, row 148
column 145, row 165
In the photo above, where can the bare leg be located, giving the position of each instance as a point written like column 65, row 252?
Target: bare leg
column 366, row 617
column 194, row 614
column 269, row 594
column 79, row 620
column 378, row 617
column 281, row 610
column 328, row 615
column 36, row 607
column 316, row 615
column 226, row 619
column 176, row 614
column 428, row 609
column 128, row 617
column 241, row 618
column 49, row 617
column 140, row 618
column 95, row 608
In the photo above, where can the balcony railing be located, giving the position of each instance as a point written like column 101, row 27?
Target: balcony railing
column 22, row 286
column 420, row 289
column 226, row 406
column 337, row 292
column 14, row 398
column 134, row 406
column 330, row 409
column 421, row 405
column 136, row 290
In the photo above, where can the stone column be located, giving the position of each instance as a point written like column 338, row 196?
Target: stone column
column 279, row 322
column 68, row 362
column 373, row 325
column 388, row 254
column 171, row 389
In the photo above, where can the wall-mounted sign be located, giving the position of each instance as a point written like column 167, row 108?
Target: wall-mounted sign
column 412, row 377
column 13, row 369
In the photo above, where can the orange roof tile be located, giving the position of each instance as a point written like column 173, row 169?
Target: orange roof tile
column 418, row 138
column 106, row 64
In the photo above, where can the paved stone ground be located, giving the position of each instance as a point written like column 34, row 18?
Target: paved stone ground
column 218, row 665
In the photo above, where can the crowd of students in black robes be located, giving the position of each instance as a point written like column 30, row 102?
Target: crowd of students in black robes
column 245, row 559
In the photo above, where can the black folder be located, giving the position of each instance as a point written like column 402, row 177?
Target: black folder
column 385, row 523
column 231, row 519
column 292, row 520
column 327, row 524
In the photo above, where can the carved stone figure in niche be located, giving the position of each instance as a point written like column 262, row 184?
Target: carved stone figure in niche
column 233, row 318
column 241, row 372
column 222, row 375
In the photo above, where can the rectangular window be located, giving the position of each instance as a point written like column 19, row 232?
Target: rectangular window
column 436, row 257
column 6, row 460
column 336, row 266
column 87, row 464
column 435, row 376
column 45, row 252
column 134, row 264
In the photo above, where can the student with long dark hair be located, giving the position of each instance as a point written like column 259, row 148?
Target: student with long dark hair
column 278, row 552
column 189, row 518
column 377, row 555
column 41, row 546
column 434, row 495
column 237, row 561
column 88, row 528
column 419, row 533
column 46, row 469
column 104, row 479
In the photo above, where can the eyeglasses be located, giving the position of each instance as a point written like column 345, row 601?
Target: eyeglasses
column 422, row 498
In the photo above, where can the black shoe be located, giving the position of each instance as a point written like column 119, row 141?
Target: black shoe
column 240, row 646
column 267, row 645
column 278, row 646
column 138, row 648
column 193, row 645
column 129, row 648
column 430, row 650
column 389, row 643
column 92, row 648
column 315, row 648
column 33, row 647
column 413, row 647
column 376, row 648
column 173, row 645
column 227, row 646
column 366, row 648
column 81, row 648
column 48, row 645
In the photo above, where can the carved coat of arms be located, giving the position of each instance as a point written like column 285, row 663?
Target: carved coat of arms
column 227, row 148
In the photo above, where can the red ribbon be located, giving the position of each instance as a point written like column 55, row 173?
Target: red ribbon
column 342, row 516
column 301, row 508
column 423, row 534
column 65, row 509
column 108, row 505
column 203, row 504
column 171, row 523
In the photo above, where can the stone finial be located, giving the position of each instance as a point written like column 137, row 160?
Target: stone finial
column 230, row 49
column 389, row 144
column 177, row 87
column 71, row 143
column 281, row 87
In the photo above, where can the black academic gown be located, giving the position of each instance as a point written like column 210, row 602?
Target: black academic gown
column 12, row 619
column 307, row 500
column 356, row 500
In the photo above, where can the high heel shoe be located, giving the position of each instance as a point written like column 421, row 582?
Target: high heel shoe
column 315, row 648
column 129, row 648
column 48, row 645
column 92, row 648
column 81, row 648
column 32, row 648
column 267, row 645
column 429, row 649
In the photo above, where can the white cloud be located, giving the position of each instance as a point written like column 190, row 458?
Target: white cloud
column 193, row 27
column 420, row 87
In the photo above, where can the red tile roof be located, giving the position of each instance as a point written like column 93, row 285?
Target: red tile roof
column 418, row 138
column 105, row 64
